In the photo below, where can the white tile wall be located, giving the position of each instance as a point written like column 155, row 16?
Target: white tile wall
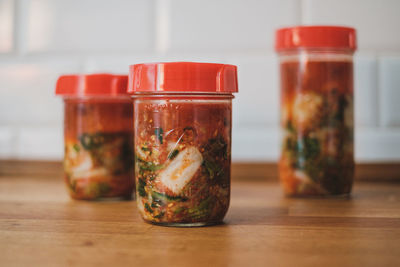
column 6, row 25
column 366, row 90
column 27, row 91
column 255, row 143
column 89, row 25
column 377, row 21
column 7, row 142
column 113, row 63
column 228, row 25
column 373, row 144
column 119, row 63
column 39, row 143
column 257, row 104
column 41, row 39
column 389, row 69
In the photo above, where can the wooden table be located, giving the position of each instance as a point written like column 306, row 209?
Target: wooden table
column 41, row 226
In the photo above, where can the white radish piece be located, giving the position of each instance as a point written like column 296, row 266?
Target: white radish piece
column 307, row 180
column 97, row 172
column 86, row 170
column 307, row 109
column 181, row 169
column 85, row 165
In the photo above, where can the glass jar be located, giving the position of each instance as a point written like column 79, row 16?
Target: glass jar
column 183, row 117
column 98, row 122
column 316, row 68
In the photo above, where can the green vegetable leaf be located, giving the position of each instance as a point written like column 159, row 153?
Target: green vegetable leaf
column 161, row 214
column 72, row 184
column 148, row 166
column 203, row 209
column 311, row 148
column 173, row 154
column 92, row 141
column 290, row 127
column 104, row 188
column 212, row 168
column 76, row 148
column 215, row 154
column 141, row 190
column 147, row 207
column 179, row 210
column 305, row 155
column 205, row 203
column 159, row 134
column 163, row 199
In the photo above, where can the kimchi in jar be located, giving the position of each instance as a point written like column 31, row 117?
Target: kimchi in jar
column 183, row 115
column 98, row 123
column 316, row 68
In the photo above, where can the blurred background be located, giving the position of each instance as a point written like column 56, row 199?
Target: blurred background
column 42, row 39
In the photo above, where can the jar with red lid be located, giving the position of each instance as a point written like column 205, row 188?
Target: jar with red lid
column 98, row 133
column 316, row 69
column 183, row 116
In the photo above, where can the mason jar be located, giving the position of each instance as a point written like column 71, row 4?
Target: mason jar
column 182, row 128
column 316, row 75
column 98, row 134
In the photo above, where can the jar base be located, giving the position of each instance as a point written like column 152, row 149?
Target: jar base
column 184, row 225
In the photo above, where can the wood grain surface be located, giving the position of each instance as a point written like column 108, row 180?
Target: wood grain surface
column 41, row 226
column 260, row 171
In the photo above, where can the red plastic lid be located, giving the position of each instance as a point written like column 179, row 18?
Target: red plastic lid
column 92, row 85
column 182, row 77
column 343, row 38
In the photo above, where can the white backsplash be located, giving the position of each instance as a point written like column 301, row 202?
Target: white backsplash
column 42, row 39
